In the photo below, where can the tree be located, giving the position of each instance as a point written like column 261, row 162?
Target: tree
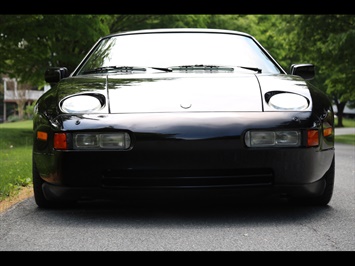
column 127, row 22
column 327, row 41
column 29, row 44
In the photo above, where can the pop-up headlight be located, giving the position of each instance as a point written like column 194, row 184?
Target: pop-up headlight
column 82, row 104
column 288, row 102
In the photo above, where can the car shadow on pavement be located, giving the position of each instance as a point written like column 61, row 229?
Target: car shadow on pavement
column 201, row 212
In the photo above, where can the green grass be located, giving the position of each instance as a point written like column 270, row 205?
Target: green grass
column 346, row 139
column 15, row 157
column 347, row 122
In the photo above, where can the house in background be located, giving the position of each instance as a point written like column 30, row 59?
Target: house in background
column 19, row 96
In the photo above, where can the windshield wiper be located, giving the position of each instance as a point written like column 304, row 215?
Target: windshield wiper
column 166, row 69
column 115, row 68
column 202, row 67
column 251, row 68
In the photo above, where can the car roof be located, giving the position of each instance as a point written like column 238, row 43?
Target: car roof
column 180, row 30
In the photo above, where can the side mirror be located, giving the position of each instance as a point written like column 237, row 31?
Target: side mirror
column 306, row 71
column 55, row 74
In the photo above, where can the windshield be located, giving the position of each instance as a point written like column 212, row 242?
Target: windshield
column 178, row 49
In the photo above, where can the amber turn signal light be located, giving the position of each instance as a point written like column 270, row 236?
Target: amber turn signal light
column 41, row 135
column 327, row 131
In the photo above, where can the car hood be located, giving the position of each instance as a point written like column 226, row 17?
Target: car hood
column 180, row 93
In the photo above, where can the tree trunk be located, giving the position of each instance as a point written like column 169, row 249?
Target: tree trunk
column 340, row 113
column 21, row 101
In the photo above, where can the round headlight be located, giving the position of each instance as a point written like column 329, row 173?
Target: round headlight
column 81, row 104
column 288, row 101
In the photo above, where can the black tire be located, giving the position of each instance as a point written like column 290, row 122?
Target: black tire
column 325, row 198
column 39, row 197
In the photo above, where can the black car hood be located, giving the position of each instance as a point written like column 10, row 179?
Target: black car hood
column 213, row 92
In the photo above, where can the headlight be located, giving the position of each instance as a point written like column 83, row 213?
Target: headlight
column 117, row 141
column 81, row 104
column 284, row 138
column 288, row 102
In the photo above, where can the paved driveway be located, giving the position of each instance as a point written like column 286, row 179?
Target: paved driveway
column 344, row 130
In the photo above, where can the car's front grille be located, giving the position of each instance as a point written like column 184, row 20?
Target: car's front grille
column 187, row 178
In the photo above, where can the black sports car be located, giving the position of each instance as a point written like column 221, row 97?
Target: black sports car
column 182, row 111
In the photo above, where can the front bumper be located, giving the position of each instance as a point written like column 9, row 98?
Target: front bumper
column 183, row 152
column 55, row 192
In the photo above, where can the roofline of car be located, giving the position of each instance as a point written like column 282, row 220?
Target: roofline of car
column 166, row 30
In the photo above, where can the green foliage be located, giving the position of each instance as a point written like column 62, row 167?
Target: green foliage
column 327, row 40
column 274, row 33
column 29, row 44
column 351, row 104
column 181, row 21
column 29, row 110
column 120, row 23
